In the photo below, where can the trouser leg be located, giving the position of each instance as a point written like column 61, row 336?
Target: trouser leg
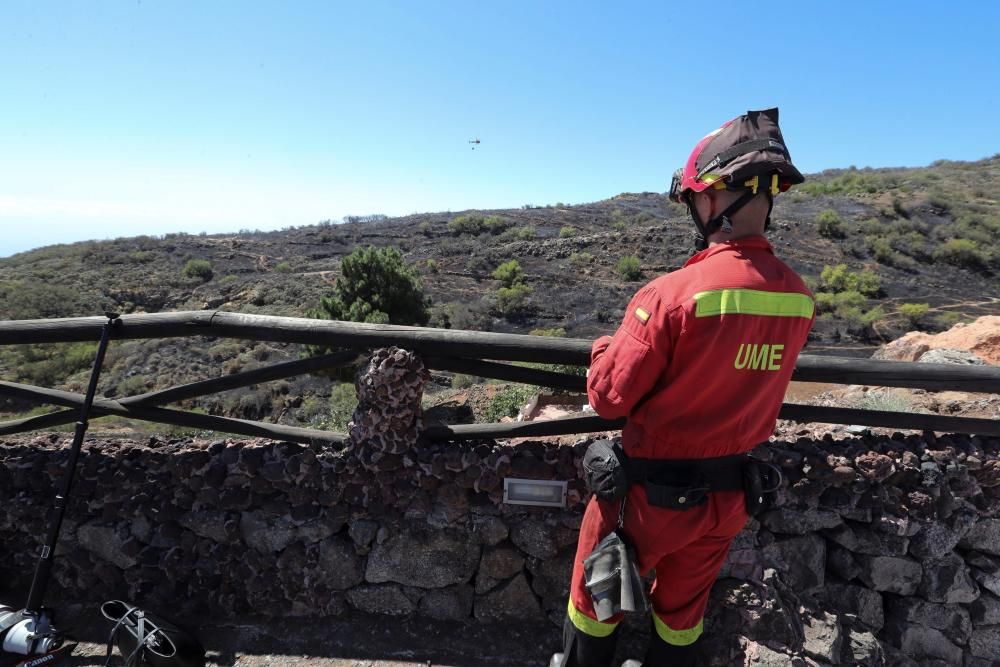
column 663, row 654
column 583, row 650
column 588, row 642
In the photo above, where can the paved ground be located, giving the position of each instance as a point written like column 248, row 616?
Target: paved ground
column 360, row 641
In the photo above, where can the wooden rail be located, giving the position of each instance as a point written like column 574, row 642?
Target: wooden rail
column 464, row 344
column 442, row 349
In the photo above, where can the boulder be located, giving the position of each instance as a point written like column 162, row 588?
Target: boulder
column 207, row 523
column 983, row 536
column 981, row 337
column 534, row 537
column 490, row 529
column 938, row 539
column 759, row 655
column 865, row 649
column 423, row 558
column 339, row 566
column 452, row 603
column 952, row 620
column 864, row 603
column 842, row 562
column 788, row 521
column 511, row 601
column 385, row 599
column 362, row 532
column 985, row 643
column 269, row 534
column 863, row 540
column 822, row 636
column 551, row 578
column 106, row 543
column 890, row 574
column 925, row 644
column 947, row 580
column 985, row 610
column 946, row 356
column 501, row 562
column 801, row 561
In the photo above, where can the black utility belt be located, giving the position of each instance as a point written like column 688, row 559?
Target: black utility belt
column 686, row 483
column 678, row 484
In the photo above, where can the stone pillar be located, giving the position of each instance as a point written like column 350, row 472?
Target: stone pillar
column 387, row 421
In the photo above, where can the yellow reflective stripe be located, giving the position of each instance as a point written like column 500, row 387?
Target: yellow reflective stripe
column 752, row 302
column 677, row 637
column 587, row 625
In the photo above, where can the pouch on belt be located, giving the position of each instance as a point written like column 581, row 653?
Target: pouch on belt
column 604, row 466
column 612, row 578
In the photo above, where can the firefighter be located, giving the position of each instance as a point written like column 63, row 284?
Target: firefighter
column 699, row 366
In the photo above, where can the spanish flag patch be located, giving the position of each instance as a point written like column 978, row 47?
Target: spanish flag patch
column 642, row 315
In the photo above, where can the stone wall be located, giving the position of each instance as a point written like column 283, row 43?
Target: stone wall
column 882, row 550
column 893, row 539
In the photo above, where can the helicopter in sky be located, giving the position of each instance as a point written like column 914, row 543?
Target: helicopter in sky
column 474, row 142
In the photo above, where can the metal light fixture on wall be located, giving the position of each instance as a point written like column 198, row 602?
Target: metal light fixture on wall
column 540, row 492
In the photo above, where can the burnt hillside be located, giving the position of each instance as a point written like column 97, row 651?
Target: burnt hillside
column 920, row 247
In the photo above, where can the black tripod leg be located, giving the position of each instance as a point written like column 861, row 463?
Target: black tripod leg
column 43, row 571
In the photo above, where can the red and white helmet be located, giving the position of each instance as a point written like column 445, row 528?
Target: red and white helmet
column 747, row 152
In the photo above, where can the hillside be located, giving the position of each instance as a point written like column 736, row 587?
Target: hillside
column 920, row 248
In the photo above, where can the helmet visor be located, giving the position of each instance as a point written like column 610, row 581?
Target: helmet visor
column 676, row 190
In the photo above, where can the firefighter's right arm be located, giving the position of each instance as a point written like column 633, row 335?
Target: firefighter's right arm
column 624, row 368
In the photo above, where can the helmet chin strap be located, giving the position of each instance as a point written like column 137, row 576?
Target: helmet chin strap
column 723, row 220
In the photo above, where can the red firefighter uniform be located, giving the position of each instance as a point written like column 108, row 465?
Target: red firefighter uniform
column 699, row 366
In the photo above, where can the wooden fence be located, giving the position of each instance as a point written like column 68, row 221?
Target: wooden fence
column 472, row 352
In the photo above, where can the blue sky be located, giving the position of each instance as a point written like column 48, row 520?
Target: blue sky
column 149, row 117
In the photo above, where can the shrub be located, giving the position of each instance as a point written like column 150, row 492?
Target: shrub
column 830, row 225
column 30, row 299
column 842, row 304
column 913, row 312
column 478, row 266
column 567, row 231
column 343, row 401
column 495, row 224
column 859, row 322
column 432, row 266
column 555, row 332
column 852, row 182
column 883, row 401
column 899, row 209
column 424, row 228
column 580, row 259
column 883, row 251
column 508, row 401
column 283, row 267
column 471, row 317
column 962, row 253
column 198, row 268
column 939, row 200
column 628, row 268
column 49, row 364
column 461, row 380
column 513, row 301
column 470, row 223
column 840, row 279
column 509, row 273
column 376, row 286
column 524, row 233
column 947, row 320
